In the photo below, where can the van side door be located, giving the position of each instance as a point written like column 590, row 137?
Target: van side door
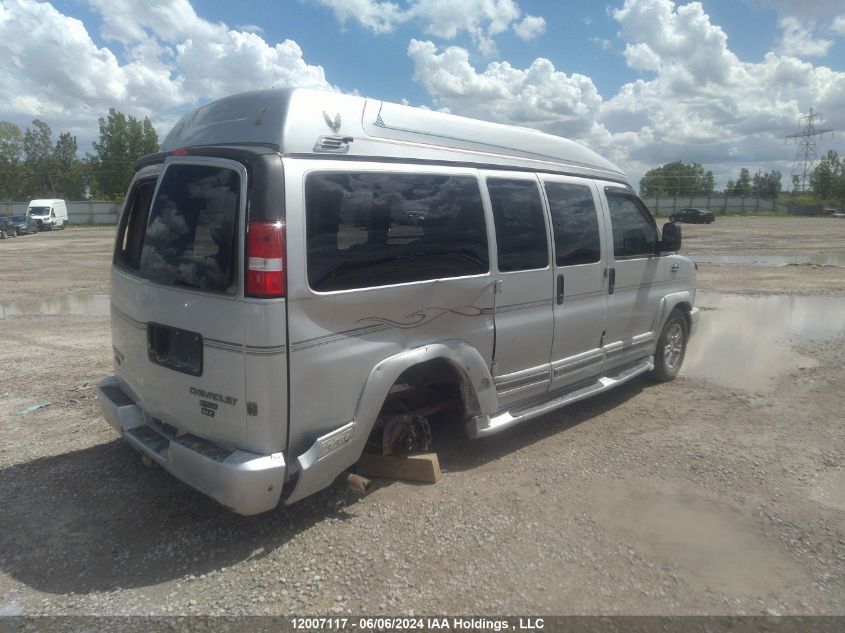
column 580, row 306
column 524, row 285
column 633, row 292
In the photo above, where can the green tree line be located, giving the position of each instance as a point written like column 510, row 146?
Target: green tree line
column 827, row 182
column 33, row 165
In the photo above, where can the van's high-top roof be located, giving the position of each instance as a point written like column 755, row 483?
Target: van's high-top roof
column 299, row 121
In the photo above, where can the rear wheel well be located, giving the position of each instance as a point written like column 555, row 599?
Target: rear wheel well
column 434, row 388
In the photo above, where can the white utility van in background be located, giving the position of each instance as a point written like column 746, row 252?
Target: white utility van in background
column 49, row 213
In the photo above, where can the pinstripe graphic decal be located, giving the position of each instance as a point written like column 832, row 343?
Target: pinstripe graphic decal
column 266, row 350
column 213, row 343
column 336, row 337
column 383, row 324
column 562, row 370
column 631, row 346
column 225, row 346
column 133, row 322
column 523, row 381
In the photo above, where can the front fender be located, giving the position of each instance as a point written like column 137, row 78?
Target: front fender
column 669, row 303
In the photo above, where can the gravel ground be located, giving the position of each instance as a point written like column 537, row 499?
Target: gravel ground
column 692, row 497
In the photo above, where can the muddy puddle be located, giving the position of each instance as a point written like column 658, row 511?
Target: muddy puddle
column 82, row 304
column 709, row 544
column 748, row 342
column 818, row 259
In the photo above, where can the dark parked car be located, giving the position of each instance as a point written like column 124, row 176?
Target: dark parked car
column 696, row 216
column 21, row 224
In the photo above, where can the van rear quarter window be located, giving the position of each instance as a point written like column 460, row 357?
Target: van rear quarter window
column 377, row 229
column 189, row 236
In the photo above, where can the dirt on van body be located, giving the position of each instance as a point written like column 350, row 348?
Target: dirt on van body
column 697, row 496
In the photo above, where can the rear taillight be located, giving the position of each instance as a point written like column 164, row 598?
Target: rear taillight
column 265, row 260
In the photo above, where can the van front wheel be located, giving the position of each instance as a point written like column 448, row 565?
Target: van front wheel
column 671, row 348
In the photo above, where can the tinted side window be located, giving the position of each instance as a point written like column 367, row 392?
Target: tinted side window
column 634, row 231
column 377, row 229
column 520, row 225
column 575, row 224
column 190, row 238
column 130, row 233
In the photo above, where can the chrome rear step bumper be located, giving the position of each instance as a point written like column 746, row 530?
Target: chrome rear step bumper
column 244, row 482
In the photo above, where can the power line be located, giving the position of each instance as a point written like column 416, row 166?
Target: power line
column 805, row 157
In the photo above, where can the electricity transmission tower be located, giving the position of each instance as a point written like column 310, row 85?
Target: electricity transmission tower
column 805, row 157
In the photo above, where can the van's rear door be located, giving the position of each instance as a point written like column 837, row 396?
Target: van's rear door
column 177, row 297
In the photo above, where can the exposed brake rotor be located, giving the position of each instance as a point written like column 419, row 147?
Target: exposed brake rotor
column 405, row 434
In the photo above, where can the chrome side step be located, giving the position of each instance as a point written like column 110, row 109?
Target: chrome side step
column 482, row 425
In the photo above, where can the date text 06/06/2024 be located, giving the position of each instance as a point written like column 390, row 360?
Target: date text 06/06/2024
column 417, row 623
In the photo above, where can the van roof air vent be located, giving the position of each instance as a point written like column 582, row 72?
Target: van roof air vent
column 332, row 144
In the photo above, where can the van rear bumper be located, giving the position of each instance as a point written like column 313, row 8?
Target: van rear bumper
column 244, row 482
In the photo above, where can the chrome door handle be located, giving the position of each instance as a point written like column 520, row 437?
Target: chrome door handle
column 675, row 267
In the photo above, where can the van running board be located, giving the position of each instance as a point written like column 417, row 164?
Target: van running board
column 481, row 426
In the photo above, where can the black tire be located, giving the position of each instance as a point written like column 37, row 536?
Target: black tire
column 671, row 348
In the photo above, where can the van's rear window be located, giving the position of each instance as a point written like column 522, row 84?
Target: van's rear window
column 376, row 229
column 190, row 236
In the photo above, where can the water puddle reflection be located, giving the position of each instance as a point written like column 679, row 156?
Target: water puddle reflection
column 819, row 259
column 710, row 544
column 746, row 342
column 82, row 304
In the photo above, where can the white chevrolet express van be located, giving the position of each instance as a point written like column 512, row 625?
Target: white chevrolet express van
column 301, row 276
column 49, row 214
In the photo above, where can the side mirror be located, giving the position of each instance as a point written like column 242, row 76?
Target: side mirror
column 671, row 238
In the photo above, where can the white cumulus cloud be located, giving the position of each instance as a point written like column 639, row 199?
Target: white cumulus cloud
column 376, row 15
column 799, row 41
column 539, row 96
column 161, row 58
column 482, row 20
column 530, row 27
column 696, row 102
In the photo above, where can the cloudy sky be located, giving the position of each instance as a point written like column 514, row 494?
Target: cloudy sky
column 720, row 82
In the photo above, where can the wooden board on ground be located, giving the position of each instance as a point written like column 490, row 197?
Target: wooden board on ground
column 424, row 468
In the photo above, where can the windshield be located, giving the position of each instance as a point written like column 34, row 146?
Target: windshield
column 39, row 210
column 18, row 218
